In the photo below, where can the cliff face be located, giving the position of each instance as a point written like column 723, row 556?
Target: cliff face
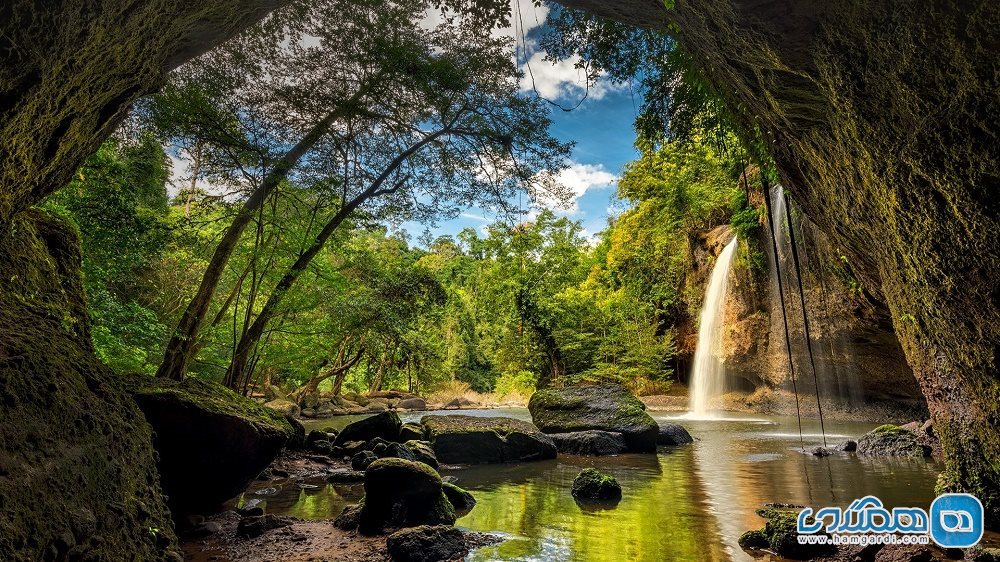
column 857, row 354
column 69, row 72
column 881, row 117
column 77, row 476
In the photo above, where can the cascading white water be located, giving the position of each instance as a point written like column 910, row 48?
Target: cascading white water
column 835, row 355
column 708, row 379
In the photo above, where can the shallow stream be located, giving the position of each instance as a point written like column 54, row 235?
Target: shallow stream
column 688, row 503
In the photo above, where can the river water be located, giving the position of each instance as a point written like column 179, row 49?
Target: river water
column 688, row 503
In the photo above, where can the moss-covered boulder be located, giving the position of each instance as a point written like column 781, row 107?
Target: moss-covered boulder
column 891, row 441
column 483, row 440
column 211, row 442
column 592, row 484
column 423, row 451
column 402, row 493
column 607, row 407
column 780, row 534
column 591, row 442
column 77, row 473
column 460, row 499
column 427, row 543
column 411, row 432
column 385, row 426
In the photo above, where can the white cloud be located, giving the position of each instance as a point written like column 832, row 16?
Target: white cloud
column 474, row 217
column 578, row 179
column 561, row 80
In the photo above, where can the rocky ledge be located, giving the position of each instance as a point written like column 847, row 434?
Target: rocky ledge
column 459, row 439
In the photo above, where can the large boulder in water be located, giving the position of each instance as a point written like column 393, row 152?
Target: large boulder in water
column 211, row 441
column 590, row 442
column 891, row 441
column 672, row 434
column 607, row 407
column 401, row 493
column 385, row 425
column 481, row 440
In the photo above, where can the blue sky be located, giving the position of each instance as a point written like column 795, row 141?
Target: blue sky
column 601, row 127
column 603, row 133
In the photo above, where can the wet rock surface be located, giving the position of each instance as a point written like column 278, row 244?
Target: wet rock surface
column 385, row 425
column 210, row 441
column 891, row 441
column 672, row 434
column 462, row 439
column 255, row 526
column 422, row 451
column 427, row 544
column 401, row 493
column 591, row 442
column 592, row 484
column 460, row 499
column 606, row 407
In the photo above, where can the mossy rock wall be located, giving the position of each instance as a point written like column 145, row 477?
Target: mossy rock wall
column 77, row 476
column 71, row 69
column 882, row 118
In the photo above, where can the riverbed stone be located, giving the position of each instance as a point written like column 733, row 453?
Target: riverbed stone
column 401, row 493
column 848, row 446
column 460, row 498
column 250, row 527
column 891, row 441
column 672, row 434
column 592, row 484
column 427, row 543
column 411, row 431
column 591, row 442
column 385, row 425
column 607, row 407
column 362, row 459
column 345, row 476
column 394, row 450
column 284, row 406
column 459, row 439
column 412, row 404
column 211, row 442
column 423, row 451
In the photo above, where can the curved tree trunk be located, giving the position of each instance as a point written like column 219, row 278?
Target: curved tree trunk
column 344, row 362
column 238, row 371
column 184, row 341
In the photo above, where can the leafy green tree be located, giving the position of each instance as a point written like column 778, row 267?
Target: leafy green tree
column 118, row 200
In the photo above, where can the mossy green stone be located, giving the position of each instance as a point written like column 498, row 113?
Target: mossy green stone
column 606, row 407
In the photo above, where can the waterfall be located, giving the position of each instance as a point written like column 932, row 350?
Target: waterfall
column 708, row 377
column 838, row 378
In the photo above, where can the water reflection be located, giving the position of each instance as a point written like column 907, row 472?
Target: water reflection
column 684, row 504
